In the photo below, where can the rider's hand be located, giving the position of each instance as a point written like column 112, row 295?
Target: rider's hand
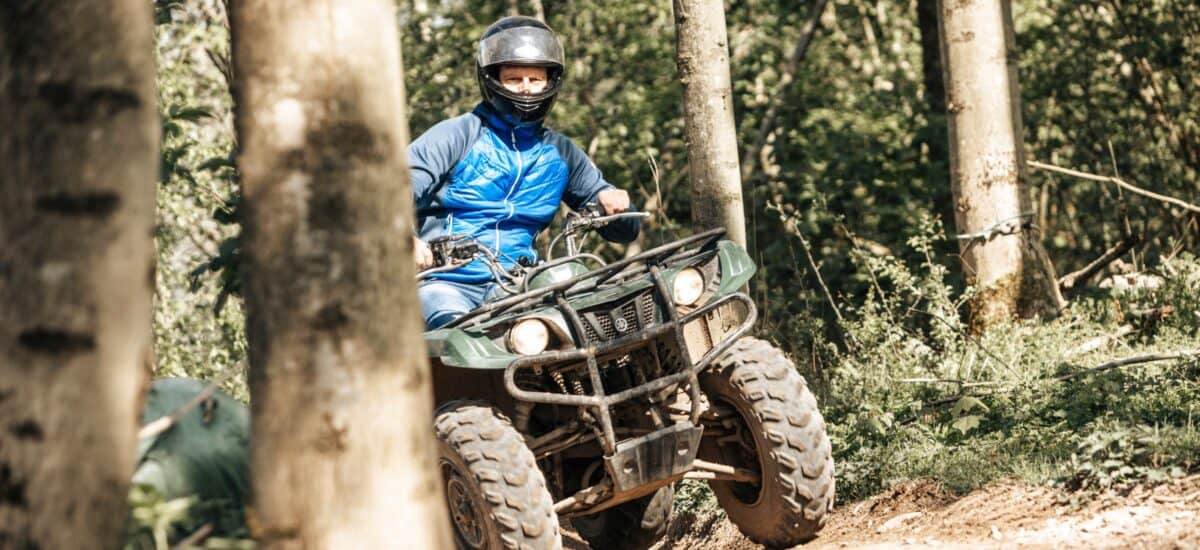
column 422, row 254
column 614, row 201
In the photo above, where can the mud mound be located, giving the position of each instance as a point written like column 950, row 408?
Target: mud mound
column 922, row 514
column 705, row 529
column 903, row 501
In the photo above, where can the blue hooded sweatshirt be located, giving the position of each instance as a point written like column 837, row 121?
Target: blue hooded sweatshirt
column 500, row 182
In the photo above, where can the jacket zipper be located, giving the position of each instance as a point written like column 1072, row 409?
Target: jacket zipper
column 517, row 181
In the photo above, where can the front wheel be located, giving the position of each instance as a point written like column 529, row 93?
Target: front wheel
column 496, row 493
column 771, row 427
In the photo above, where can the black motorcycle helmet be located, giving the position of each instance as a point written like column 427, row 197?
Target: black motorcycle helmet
column 519, row 40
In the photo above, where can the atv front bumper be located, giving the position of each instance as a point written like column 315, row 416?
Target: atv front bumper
column 706, row 332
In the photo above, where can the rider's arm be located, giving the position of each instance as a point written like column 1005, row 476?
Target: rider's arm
column 584, row 183
column 431, row 157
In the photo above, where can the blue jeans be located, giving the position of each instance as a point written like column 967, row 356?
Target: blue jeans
column 445, row 301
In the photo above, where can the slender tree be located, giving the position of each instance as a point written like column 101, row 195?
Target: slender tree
column 78, row 165
column 933, row 139
column 342, row 454
column 931, row 56
column 702, row 55
column 1000, row 247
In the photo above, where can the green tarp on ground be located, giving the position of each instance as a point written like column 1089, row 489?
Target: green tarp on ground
column 205, row 453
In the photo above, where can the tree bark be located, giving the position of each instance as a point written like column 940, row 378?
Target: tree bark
column 702, row 55
column 343, row 452
column 78, row 165
column 987, row 165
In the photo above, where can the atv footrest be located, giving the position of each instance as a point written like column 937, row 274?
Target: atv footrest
column 658, row 455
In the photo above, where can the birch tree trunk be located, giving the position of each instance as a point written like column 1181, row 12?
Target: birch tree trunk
column 78, row 164
column 987, row 165
column 343, row 451
column 702, row 55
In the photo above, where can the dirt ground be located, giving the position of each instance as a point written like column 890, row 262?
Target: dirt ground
column 920, row 514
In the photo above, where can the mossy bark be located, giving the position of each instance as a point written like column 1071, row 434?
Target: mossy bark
column 987, row 165
column 79, row 161
column 343, row 450
column 702, row 56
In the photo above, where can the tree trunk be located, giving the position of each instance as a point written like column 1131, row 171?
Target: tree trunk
column 702, row 55
column 931, row 56
column 932, row 140
column 78, row 165
column 987, row 165
column 343, row 452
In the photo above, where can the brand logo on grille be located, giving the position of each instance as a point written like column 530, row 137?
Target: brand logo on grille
column 620, row 324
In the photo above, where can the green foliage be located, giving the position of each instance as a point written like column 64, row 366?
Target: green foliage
column 853, row 175
column 693, row 497
column 157, row 524
column 1115, row 454
column 1117, row 74
column 913, row 398
column 198, row 181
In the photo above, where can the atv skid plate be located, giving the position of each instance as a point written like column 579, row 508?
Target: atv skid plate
column 662, row 455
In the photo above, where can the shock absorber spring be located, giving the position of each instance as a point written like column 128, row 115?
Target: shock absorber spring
column 560, row 380
column 577, row 385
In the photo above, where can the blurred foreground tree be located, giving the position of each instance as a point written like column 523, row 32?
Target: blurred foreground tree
column 1001, row 250
column 78, row 164
column 702, row 53
column 342, row 451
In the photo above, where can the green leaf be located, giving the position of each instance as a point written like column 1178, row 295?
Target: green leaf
column 216, row 163
column 967, row 423
column 967, row 404
column 190, row 114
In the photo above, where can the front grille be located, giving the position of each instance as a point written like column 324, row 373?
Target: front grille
column 636, row 313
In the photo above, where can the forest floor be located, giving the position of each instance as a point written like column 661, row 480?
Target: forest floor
column 920, row 514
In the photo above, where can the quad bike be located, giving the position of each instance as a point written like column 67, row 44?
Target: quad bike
column 590, row 388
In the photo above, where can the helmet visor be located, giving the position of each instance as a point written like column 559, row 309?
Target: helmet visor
column 521, row 46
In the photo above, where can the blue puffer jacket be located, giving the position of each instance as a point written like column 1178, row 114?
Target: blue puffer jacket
column 500, row 182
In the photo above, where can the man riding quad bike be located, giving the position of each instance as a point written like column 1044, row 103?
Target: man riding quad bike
column 572, row 388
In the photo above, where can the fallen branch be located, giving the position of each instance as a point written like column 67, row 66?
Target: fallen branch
column 194, row 539
column 1154, row 314
column 1119, row 182
column 935, row 405
column 960, row 383
column 1067, row 282
column 1169, row 499
column 1099, row 342
column 164, row 423
column 1131, row 361
column 898, row 521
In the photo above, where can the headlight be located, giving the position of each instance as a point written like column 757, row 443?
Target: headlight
column 688, row 286
column 528, row 337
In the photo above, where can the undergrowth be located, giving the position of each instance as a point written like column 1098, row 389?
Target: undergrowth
column 913, row 393
column 158, row 523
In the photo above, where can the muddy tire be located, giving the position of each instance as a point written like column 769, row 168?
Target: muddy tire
column 496, row 493
column 781, row 435
column 634, row 525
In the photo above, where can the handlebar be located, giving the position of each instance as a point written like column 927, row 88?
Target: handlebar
column 591, row 217
column 451, row 252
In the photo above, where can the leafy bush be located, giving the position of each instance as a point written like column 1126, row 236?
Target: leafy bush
column 915, row 394
column 158, row 524
column 1115, row 455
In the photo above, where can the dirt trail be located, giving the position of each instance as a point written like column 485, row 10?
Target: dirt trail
column 920, row 514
